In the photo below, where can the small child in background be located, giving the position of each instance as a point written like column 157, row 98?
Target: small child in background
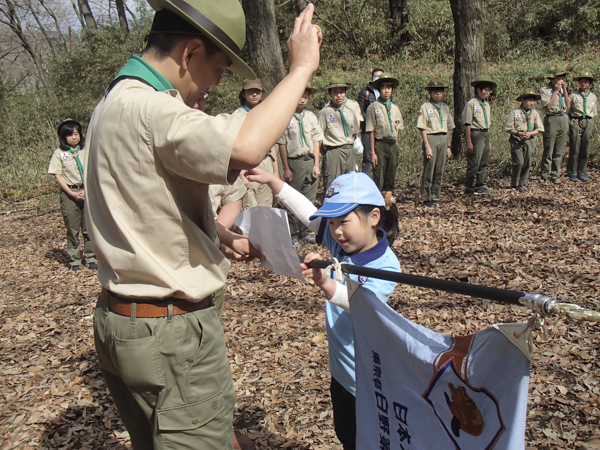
column 435, row 124
column 523, row 124
column 357, row 227
column 67, row 165
column 584, row 107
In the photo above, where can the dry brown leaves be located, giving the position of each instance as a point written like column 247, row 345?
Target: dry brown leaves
column 546, row 241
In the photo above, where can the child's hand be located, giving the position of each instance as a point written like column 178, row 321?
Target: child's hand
column 288, row 175
column 470, row 148
column 319, row 276
column 316, row 172
column 449, row 152
column 374, row 159
column 428, row 152
column 260, row 176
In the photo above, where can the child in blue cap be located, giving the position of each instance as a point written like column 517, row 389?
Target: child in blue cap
column 357, row 227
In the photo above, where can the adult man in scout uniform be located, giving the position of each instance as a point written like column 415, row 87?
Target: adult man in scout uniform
column 299, row 148
column 555, row 103
column 340, row 127
column 384, row 121
column 477, row 119
column 584, row 107
column 152, row 155
column 435, row 124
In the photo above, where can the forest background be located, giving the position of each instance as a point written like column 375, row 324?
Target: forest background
column 56, row 60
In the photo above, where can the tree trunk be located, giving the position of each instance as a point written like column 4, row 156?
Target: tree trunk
column 262, row 42
column 468, row 59
column 399, row 15
column 56, row 22
column 86, row 13
column 78, row 14
column 42, row 29
column 122, row 19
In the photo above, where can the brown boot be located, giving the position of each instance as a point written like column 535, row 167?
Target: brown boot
column 242, row 442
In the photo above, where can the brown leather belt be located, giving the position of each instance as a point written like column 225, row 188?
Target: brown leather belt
column 145, row 308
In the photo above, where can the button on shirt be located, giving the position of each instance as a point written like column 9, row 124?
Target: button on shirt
column 473, row 114
column 429, row 119
column 292, row 139
column 517, row 120
column 378, row 121
column 559, row 103
column 151, row 160
column 330, row 122
column 577, row 102
column 63, row 163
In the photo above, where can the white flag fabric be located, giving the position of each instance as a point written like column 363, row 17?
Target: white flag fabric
column 418, row 389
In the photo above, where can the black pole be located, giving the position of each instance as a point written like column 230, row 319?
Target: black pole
column 456, row 287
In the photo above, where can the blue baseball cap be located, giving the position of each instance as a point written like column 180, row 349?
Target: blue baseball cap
column 348, row 191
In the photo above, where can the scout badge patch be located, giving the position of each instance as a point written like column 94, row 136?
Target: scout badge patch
column 431, row 113
column 331, row 192
column 378, row 113
column 291, row 125
column 576, row 99
column 477, row 108
column 64, row 156
column 517, row 117
column 331, row 119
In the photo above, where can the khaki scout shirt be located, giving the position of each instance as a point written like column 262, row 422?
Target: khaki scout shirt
column 559, row 104
column 221, row 195
column 330, row 122
column 291, row 137
column 517, row 120
column 378, row 121
column 473, row 114
column 577, row 99
column 354, row 106
column 63, row 163
column 429, row 119
column 151, row 159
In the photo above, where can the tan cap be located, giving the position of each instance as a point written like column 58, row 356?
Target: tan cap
column 338, row 81
column 385, row 78
column 436, row 82
column 528, row 93
column 483, row 79
column 585, row 74
column 252, row 84
column 556, row 71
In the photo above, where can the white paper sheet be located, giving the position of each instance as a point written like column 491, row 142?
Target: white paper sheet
column 268, row 231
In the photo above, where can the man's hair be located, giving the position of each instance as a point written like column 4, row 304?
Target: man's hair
column 377, row 69
column 67, row 130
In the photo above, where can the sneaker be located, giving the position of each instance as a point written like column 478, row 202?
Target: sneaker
column 480, row 191
column 93, row 266
column 429, row 204
column 295, row 243
column 521, row 189
column 582, row 177
column 309, row 238
column 75, row 268
column 573, row 177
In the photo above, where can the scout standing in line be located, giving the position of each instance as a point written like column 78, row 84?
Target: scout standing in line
column 340, row 126
column 67, row 167
column 584, row 107
column 523, row 124
column 257, row 195
column 435, row 124
column 477, row 119
column 367, row 97
column 299, row 148
column 384, row 120
column 555, row 104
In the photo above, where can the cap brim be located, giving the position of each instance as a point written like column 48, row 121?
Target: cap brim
column 394, row 82
column 333, row 210
column 238, row 66
column 536, row 96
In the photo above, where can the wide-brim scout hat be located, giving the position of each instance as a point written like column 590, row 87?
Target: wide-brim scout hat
column 556, row 71
column 585, row 74
column 338, row 81
column 311, row 90
column 436, row 83
column 67, row 121
column 222, row 21
column 528, row 93
column 252, row 84
column 348, row 191
column 385, row 78
column 484, row 79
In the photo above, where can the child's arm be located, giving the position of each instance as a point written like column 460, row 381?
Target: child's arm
column 470, row 147
column 373, row 154
column 77, row 196
column 335, row 293
column 274, row 151
column 316, row 172
column 428, row 152
column 287, row 173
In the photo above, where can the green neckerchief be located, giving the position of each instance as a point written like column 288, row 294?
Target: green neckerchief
column 528, row 115
column 482, row 103
column 303, row 138
column 439, row 108
column 585, row 96
column 246, row 107
column 388, row 107
column 560, row 97
column 75, row 154
column 139, row 69
column 341, row 111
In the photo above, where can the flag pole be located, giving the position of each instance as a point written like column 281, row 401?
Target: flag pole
column 542, row 304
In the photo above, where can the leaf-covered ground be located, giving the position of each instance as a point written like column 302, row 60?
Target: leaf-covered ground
column 546, row 240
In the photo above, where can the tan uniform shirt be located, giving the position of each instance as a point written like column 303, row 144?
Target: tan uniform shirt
column 221, row 195
column 559, row 103
column 378, row 121
column 354, row 106
column 330, row 122
column 63, row 163
column 591, row 109
column 473, row 114
column 291, row 137
column 517, row 120
column 429, row 119
column 151, row 159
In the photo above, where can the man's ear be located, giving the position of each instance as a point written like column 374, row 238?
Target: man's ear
column 194, row 48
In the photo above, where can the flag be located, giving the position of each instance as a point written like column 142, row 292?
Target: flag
column 422, row 390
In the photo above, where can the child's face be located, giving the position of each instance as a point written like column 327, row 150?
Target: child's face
column 436, row 94
column 338, row 95
column 74, row 138
column 354, row 232
column 558, row 80
column 584, row 84
column 253, row 96
column 385, row 91
column 529, row 103
column 484, row 93
column 303, row 101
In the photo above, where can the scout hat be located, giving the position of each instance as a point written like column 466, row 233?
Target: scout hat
column 584, row 74
column 481, row 79
column 556, row 71
column 436, row 82
column 252, row 84
column 67, row 121
column 311, row 90
column 222, row 21
column 385, row 78
column 528, row 93
column 337, row 81
column 348, row 191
